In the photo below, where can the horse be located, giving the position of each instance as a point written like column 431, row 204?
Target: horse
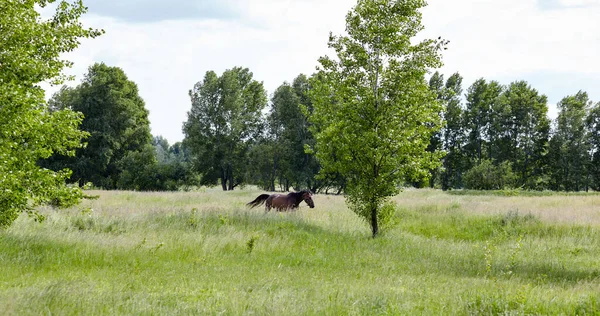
column 283, row 202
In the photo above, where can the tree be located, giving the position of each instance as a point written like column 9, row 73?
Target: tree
column 165, row 168
column 284, row 123
column 525, row 132
column 436, row 84
column 480, row 120
column 263, row 168
column 593, row 127
column 117, row 120
column 487, row 176
column 161, row 146
column 373, row 110
column 453, row 134
column 30, row 53
column 289, row 129
column 224, row 120
column 569, row 148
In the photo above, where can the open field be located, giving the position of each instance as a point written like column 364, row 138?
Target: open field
column 205, row 253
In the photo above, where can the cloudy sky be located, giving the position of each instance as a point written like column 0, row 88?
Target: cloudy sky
column 167, row 46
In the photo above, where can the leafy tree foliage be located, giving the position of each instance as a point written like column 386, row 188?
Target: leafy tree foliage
column 569, row 148
column 117, row 120
column 167, row 168
column 453, row 134
column 30, row 53
column 593, row 127
column 451, row 137
column 225, row 119
column 481, row 119
column 508, row 124
column 373, row 109
column 436, row 84
column 524, row 133
column 289, row 130
column 487, row 176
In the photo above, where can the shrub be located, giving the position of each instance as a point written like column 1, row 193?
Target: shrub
column 487, row 176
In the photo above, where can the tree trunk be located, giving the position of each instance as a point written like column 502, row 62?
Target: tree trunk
column 588, row 172
column 274, row 174
column 525, row 175
column 374, row 224
column 223, row 179
column 230, row 177
column 479, row 151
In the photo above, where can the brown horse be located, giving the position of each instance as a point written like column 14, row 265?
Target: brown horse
column 283, row 202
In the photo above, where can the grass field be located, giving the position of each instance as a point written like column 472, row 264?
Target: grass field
column 205, row 253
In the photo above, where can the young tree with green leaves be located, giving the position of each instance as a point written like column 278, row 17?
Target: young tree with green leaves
column 31, row 52
column 373, row 110
column 224, row 120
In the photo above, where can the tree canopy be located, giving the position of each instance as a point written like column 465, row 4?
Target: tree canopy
column 31, row 53
column 373, row 110
column 117, row 121
column 224, row 120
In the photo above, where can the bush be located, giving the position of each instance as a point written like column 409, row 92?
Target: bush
column 487, row 176
column 142, row 172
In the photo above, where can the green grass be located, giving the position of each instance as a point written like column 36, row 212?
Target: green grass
column 205, row 253
column 519, row 192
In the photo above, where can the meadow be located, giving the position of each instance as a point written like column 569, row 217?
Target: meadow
column 190, row 253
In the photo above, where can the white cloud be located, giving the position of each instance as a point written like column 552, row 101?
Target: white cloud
column 515, row 38
column 279, row 39
column 577, row 3
column 497, row 38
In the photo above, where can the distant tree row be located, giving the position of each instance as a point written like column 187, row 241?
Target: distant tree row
column 502, row 137
column 498, row 137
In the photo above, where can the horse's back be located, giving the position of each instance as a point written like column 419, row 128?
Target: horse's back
column 280, row 201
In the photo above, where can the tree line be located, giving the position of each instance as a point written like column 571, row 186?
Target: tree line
column 502, row 137
column 494, row 136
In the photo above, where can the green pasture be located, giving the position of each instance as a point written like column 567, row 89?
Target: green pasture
column 205, row 253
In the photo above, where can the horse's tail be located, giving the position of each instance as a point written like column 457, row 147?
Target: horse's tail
column 258, row 201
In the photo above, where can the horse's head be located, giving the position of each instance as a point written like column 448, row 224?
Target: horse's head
column 307, row 197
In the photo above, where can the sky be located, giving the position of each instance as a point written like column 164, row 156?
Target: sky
column 165, row 47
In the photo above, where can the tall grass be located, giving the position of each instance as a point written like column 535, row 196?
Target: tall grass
column 205, row 253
